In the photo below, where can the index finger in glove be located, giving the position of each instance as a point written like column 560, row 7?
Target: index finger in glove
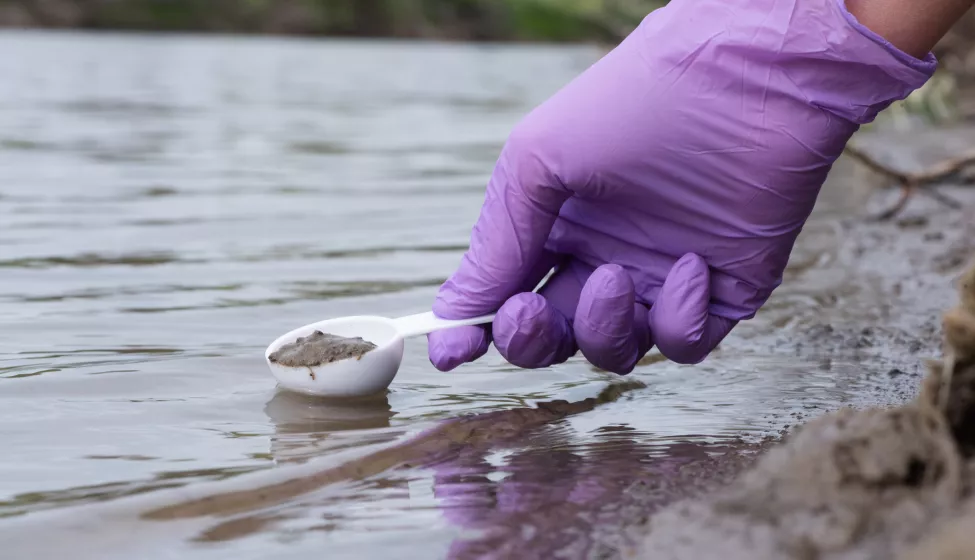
column 507, row 250
column 683, row 329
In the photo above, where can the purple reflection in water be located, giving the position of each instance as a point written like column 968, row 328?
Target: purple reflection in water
column 553, row 496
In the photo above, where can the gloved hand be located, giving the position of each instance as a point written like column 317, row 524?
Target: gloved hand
column 667, row 184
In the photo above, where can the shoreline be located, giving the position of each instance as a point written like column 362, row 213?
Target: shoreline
column 862, row 299
column 825, row 489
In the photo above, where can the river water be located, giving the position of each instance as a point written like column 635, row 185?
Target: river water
column 170, row 205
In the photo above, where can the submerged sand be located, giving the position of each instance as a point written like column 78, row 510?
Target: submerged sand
column 320, row 348
column 877, row 483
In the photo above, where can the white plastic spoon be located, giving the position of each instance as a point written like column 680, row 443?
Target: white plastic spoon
column 358, row 377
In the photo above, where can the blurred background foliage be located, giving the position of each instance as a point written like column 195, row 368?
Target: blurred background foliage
column 950, row 96
column 528, row 20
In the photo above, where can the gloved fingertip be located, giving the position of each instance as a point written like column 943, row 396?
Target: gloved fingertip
column 609, row 290
column 683, row 329
column 448, row 349
column 694, row 348
column 530, row 333
column 612, row 331
column 693, row 268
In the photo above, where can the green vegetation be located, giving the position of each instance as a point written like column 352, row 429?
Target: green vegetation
column 532, row 20
column 950, row 96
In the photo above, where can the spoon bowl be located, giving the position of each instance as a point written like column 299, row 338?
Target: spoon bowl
column 368, row 374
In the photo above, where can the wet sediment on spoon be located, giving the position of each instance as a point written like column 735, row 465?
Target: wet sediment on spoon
column 320, row 348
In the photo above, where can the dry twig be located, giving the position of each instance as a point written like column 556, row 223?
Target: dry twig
column 910, row 183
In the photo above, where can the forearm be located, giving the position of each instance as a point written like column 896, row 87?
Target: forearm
column 913, row 26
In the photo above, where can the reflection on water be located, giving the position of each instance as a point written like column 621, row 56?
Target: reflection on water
column 544, row 497
column 172, row 204
column 306, row 427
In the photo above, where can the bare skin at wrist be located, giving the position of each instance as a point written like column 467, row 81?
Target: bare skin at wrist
column 913, row 26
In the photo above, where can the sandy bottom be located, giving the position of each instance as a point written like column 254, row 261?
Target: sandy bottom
column 875, row 483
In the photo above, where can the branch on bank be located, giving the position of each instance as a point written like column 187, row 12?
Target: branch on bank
column 925, row 181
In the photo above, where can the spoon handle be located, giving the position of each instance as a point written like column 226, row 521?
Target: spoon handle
column 426, row 323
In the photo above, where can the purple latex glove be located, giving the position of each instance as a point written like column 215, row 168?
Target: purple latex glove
column 667, row 183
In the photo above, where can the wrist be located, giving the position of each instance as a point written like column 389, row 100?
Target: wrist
column 819, row 52
column 921, row 60
column 910, row 26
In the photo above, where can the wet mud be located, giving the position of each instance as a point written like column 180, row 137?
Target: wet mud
column 875, row 483
column 320, row 348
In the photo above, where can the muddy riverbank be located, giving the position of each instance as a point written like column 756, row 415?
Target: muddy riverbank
column 875, row 483
column 867, row 482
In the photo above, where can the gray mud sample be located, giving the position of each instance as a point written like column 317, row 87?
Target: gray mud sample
column 319, row 348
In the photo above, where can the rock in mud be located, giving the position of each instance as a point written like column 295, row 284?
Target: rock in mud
column 320, row 348
column 871, row 484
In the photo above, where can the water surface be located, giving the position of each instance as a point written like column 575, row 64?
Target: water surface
column 170, row 205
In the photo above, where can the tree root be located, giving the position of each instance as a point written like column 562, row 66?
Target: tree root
column 925, row 181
